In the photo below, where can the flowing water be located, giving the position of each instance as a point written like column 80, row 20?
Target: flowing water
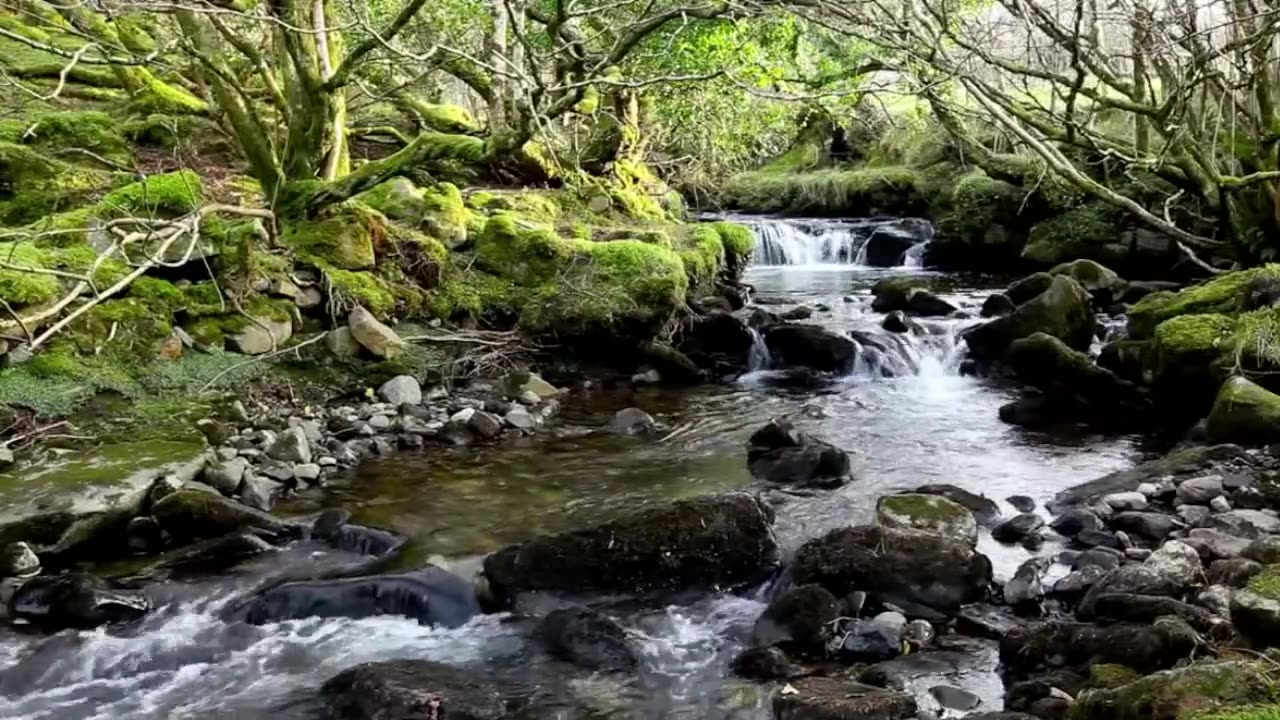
column 905, row 414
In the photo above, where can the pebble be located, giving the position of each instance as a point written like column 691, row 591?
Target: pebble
column 519, row 418
column 364, row 429
column 529, row 397
column 1135, row 553
column 1149, row 489
column 1198, row 491
column 463, row 415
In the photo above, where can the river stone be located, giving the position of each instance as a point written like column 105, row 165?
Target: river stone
column 1148, row 525
column 1063, row 311
column 261, row 335
column 1017, row 528
column 342, row 343
column 1122, row 607
column 259, row 493
column 1194, row 516
column 519, row 383
column 1126, row 501
column 810, row 346
column 895, row 565
column 291, row 446
column 1102, row 283
column 486, row 425
column 1199, row 491
column 400, row 390
column 819, row 698
column 18, row 560
column 1178, row 562
column 930, row 513
column 766, row 663
column 225, row 477
column 1078, row 582
column 1029, row 287
column 1144, row 648
column 1164, row 695
column 984, row 510
column 1265, row 550
column 779, row 453
column 1232, row 572
column 1105, row 558
column 1072, row 521
column 6, row 458
column 1215, row 544
column 633, row 421
column 710, row 541
column 377, row 338
column 1025, row 585
column 1247, row 523
column 896, row 322
column 405, row 689
column 1244, row 413
column 1131, row 579
column 798, row 621
column 519, row 418
column 191, row 514
column 1256, row 616
column 954, row 698
column 1217, row 598
column 1220, row 505
column 74, row 600
column 873, row 640
column 586, row 638
column 997, row 305
column 1021, row 503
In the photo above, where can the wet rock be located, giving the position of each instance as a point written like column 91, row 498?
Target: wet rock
column 819, row 698
column 765, row 663
column 1029, row 287
column 1025, row 585
column 779, row 453
column 1232, row 572
column 872, row 640
column 74, row 600
column 1021, row 503
column 798, row 621
column 1265, row 550
column 954, row 698
column 1097, row 538
column 1194, row 516
column 18, row 560
column 908, row 296
column 1070, row 379
column 520, row 418
column 375, row 337
column 586, row 638
column 898, row 566
column 633, row 421
column 259, row 493
column 1078, row 582
column 1244, row 413
column 1214, row 544
column 95, row 537
column 226, row 476
column 1062, row 311
column 930, row 513
column 1164, row 695
column 986, row 621
column 1217, row 599
column 896, row 322
column 1071, row 522
column 984, row 510
column 1145, row 648
column 1220, row 505
column 404, row 689
column 889, row 243
column 485, row 425
column 342, row 343
column 213, row 555
column 1199, row 491
column 802, row 312
column 1017, row 528
column 1132, row 580
column 518, row 383
column 717, row 340
column 191, row 514
column 673, row 366
column 811, row 347
column 1149, row 525
column 710, row 541
column 997, row 305
column 1178, row 562
column 1256, row 615
column 291, row 446
column 431, row 596
column 1190, row 462
column 1123, row 501
column 1103, row 284
column 1247, row 523
column 333, row 527
column 1126, row 607
column 400, row 390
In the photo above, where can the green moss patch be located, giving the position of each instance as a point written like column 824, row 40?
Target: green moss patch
column 167, row 195
column 860, row 192
column 1081, row 232
column 344, row 239
column 1224, row 294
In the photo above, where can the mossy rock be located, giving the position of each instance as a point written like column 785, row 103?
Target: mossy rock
column 1103, row 283
column 166, row 195
column 930, row 513
column 1183, row 362
column 1269, row 711
column 984, row 224
column 39, row 184
column 1090, row 231
column 344, row 238
column 398, row 198
column 739, row 243
column 1111, row 675
column 20, row 287
column 1224, row 294
column 1179, row 694
column 446, row 118
column 1063, row 311
column 445, row 215
column 703, row 255
column 90, row 130
column 1244, row 413
column 538, row 205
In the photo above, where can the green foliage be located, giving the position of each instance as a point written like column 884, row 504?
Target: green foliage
column 1270, row 711
column 1076, row 233
column 837, row 192
column 167, row 195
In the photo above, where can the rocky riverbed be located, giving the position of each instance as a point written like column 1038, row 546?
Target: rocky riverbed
column 844, row 528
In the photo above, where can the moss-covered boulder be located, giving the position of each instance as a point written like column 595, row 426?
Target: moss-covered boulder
column 1029, row 287
column 930, row 513
column 1089, row 231
column 36, row 184
column 1071, row 380
column 1180, row 694
column 984, row 226
column 1104, row 284
column 1244, row 413
column 1223, row 295
column 910, row 295
column 858, row 192
column 344, row 238
column 166, row 195
column 1182, row 361
column 1062, row 311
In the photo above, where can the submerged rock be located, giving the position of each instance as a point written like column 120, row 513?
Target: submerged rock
column 191, row 514
column 74, row 600
column 405, row 689
column 765, row 663
column 586, row 638
column 633, row 421
column 431, row 596
column 710, row 541
column 898, row 566
column 930, row 513
column 1017, row 528
column 908, row 295
column 779, row 453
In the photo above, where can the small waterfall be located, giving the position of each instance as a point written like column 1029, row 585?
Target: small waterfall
column 789, row 242
column 759, row 358
column 914, row 256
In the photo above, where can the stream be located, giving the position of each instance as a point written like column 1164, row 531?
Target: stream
column 906, row 416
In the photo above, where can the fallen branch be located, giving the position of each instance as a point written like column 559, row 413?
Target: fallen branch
column 33, row 433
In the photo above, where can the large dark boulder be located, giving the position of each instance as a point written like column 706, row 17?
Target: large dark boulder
column 1062, row 311
column 586, row 638
column 711, row 541
column 191, row 514
column 821, row 698
column 1029, row 287
column 412, row 690
column 74, row 600
column 780, row 453
column 1104, row 284
column 908, row 295
column 1073, row 382
column 905, row 567
column 810, row 346
column 1244, row 413
column 430, row 595
column 890, row 242
column 1145, row 648
column 799, row 620
column 717, row 341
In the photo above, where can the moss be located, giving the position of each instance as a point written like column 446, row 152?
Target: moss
column 167, row 195
column 1224, row 294
column 344, row 239
column 20, row 287
column 737, row 238
column 362, row 288
column 65, row 228
column 1077, row 233
column 471, row 293
column 158, row 130
column 1269, row 711
column 536, row 205
column 397, row 198
column 1267, row 582
column 1111, row 675
column 1193, row 333
column 702, row 255
column 445, row 214
column 41, row 184
column 446, row 118
column 1178, row 694
column 524, row 252
column 1256, row 339
column 130, row 327
column 157, row 97
column 923, row 510
column 90, row 130
column 157, row 292
column 860, row 192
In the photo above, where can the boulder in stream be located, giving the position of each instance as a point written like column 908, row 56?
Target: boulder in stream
column 1245, row 413
column 779, row 453
column 586, row 638
column 811, row 347
column 985, row 510
column 799, row 620
column 1062, row 311
column 1072, row 381
column 1180, row 693
column 704, row 542
column 1145, row 648
column 909, row 295
column 74, row 600
column 903, row 567
column 405, row 689
column 930, row 513
column 190, row 514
